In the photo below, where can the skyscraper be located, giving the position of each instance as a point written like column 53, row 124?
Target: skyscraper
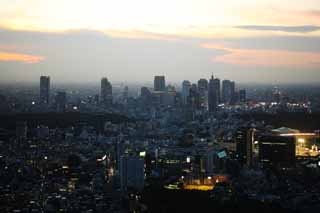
column 203, row 92
column 61, row 101
column 131, row 172
column 203, row 84
column 244, row 145
column 106, row 92
column 228, row 90
column 213, row 94
column 159, row 83
column 242, row 96
column 186, row 85
column 44, row 89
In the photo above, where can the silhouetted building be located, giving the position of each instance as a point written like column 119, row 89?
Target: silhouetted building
column 244, row 145
column 106, row 92
column 131, row 173
column 228, row 91
column 61, row 101
column 44, row 89
column 159, row 83
column 194, row 97
column 186, row 85
column 242, row 96
column 213, row 94
column 277, row 151
column 203, row 84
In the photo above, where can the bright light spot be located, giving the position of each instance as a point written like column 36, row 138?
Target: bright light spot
column 45, row 157
column 75, row 108
column 301, row 140
column 33, row 103
column 182, row 177
column 209, row 178
column 188, row 160
column 142, row 154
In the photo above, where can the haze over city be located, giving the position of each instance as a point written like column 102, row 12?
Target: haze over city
column 131, row 41
column 144, row 106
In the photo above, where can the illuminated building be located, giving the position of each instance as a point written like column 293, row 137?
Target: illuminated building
column 307, row 144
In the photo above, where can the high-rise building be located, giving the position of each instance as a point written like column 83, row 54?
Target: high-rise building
column 277, row 151
column 106, row 92
column 242, row 96
column 203, row 84
column 44, row 89
column 244, row 145
column 61, row 101
column 228, row 91
column 186, row 85
column 213, row 94
column 159, row 83
column 131, row 173
column 194, row 97
column 203, row 92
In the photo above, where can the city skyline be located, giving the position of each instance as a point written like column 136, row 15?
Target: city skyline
column 265, row 42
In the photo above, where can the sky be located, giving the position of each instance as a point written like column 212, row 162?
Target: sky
column 265, row 41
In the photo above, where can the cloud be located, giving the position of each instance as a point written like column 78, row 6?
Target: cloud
column 25, row 58
column 265, row 58
column 296, row 29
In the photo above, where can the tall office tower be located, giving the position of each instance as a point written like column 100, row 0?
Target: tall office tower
column 242, row 96
column 213, row 94
column 203, row 84
column 228, row 91
column 106, row 92
column 44, row 89
column 145, row 95
column 131, row 173
column 61, row 101
column 186, row 85
column 277, row 151
column 244, row 145
column 125, row 94
column 159, row 83
column 194, row 97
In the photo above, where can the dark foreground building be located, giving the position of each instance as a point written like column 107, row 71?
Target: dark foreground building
column 277, row 151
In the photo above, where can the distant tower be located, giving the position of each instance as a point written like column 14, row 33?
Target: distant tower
column 61, row 101
column 186, row 85
column 203, row 91
column 228, row 91
column 44, row 89
column 159, row 83
column 213, row 94
column 242, row 96
column 106, row 92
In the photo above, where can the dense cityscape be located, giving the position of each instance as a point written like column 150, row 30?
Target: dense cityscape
column 159, row 106
column 208, row 145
